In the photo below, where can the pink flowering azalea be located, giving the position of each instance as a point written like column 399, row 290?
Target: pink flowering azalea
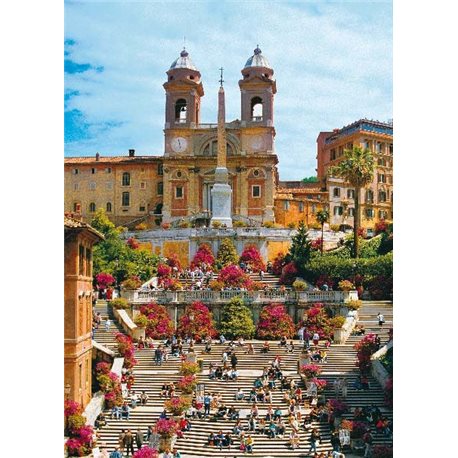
column 163, row 270
column 274, row 322
column 311, row 370
column 203, row 256
column 252, row 256
column 166, row 427
column 72, row 408
column 288, row 274
column 234, row 276
column 146, row 452
column 104, row 280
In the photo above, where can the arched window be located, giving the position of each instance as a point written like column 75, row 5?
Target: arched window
column 126, row 179
column 180, row 111
column 92, row 207
column 211, row 149
column 382, row 196
column 256, row 109
column 109, row 207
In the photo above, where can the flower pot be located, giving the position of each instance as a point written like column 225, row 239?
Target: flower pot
column 167, row 442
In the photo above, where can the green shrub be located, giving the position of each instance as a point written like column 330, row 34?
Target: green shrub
column 353, row 305
column 299, row 285
column 291, row 225
column 337, row 322
column 236, row 320
column 141, row 321
column 120, row 303
column 216, row 224
column 339, row 269
column 239, row 224
column 227, row 254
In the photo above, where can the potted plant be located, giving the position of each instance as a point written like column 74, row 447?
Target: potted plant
column 187, row 384
column 311, row 371
column 167, row 430
column 188, row 368
column 336, row 323
column 177, row 405
column 145, row 452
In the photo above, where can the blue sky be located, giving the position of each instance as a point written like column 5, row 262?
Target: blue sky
column 332, row 63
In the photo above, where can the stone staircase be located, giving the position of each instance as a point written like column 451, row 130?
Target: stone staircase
column 340, row 362
column 106, row 338
column 269, row 280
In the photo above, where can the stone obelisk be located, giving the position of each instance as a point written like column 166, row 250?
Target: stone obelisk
column 221, row 192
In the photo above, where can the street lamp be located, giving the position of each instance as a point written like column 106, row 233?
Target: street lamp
column 67, row 390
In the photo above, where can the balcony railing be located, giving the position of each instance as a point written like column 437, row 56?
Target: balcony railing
column 257, row 297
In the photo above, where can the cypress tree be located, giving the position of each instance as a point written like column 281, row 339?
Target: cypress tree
column 236, row 320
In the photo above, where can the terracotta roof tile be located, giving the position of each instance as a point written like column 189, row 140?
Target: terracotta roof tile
column 110, row 159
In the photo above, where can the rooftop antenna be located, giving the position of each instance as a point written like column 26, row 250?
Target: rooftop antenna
column 184, row 42
column 221, row 81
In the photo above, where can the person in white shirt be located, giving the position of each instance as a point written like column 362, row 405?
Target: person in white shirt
column 381, row 319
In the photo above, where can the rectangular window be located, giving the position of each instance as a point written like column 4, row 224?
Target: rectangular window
column 76, row 187
column 108, row 170
column 333, row 154
column 390, row 179
column 81, row 260
column 336, row 192
column 125, row 199
column 179, row 192
column 88, row 262
column 75, row 171
column 301, row 206
column 143, row 185
column 338, row 211
column 141, row 208
column 313, row 209
column 381, row 178
column 350, row 193
column 92, row 185
column 93, row 171
column 286, row 205
column 160, row 169
column 256, row 191
column 391, row 148
column 369, row 212
column 351, row 211
column 109, row 185
column 160, row 188
column 340, row 151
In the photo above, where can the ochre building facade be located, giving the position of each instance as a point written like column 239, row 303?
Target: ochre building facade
column 377, row 198
column 79, row 239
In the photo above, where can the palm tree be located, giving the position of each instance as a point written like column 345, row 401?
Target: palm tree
column 322, row 217
column 357, row 168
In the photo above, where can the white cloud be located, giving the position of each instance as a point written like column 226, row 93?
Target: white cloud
column 332, row 63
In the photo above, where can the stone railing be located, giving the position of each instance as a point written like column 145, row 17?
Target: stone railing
column 95, row 406
column 130, row 328
column 263, row 296
column 378, row 371
column 341, row 335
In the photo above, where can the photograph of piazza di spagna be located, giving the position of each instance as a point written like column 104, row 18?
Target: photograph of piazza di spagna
column 228, row 226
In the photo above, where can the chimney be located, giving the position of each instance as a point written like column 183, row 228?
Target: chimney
column 131, row 153
column 97, row 156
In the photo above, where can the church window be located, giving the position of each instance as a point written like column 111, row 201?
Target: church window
column 92, row 207
column 180, row 111
column 256, row 109
column 81, row 260
column 160, row 188
column 179, row 174
column 256, row 191
column 256, row 173
column 126, row 179
column 338, row 211
column 125, row 199
column 109, row 207
column 179, row 192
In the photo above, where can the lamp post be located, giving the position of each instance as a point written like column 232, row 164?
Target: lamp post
column 354, row 273
column 67, row 390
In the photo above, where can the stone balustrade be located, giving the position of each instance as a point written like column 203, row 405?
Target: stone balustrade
column 378, row 371
column 258, row 297
column 129, row 327
column 341, row 335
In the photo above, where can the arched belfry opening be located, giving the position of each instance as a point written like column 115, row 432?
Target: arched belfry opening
column 181, row 108
column 256, row 109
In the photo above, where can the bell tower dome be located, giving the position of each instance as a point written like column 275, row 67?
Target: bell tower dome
column 183, row 91
column 257, row 90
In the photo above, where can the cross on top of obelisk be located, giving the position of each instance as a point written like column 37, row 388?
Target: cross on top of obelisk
column 221, row 81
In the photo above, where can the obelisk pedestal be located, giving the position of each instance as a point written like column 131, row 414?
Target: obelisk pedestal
column 221, row 192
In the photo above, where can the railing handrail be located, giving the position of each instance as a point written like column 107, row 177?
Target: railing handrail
column 269, row 295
